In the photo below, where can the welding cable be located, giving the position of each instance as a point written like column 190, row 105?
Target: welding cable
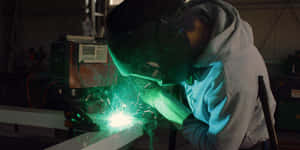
column 27, row 89
column 150, row 134
column 151, row 147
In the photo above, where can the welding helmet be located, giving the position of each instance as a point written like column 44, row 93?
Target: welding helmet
column 151, row 47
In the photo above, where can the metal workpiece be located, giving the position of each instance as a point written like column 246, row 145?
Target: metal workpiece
column 32, row 117
column 103, row 140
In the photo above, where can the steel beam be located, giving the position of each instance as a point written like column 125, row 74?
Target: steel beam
column 32, row 117
column 104, row 140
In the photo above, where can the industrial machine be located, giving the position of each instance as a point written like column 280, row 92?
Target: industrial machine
column 80, row 64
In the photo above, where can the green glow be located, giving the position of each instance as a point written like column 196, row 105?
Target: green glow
column 78, row 115
column 125, row 105
column 167, row 105
column 125, row 71
column 121, row 106
column 120, row 120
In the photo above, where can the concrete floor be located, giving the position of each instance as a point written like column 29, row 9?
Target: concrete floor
column 161, row 141
column 28, row 143
column 288, row 141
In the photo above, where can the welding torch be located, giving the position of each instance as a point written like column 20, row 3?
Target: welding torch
column 166, row 104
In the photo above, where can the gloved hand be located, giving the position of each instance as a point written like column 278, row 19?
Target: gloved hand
column 166, row 104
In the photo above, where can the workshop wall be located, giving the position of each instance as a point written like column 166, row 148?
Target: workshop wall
column 3, row 63
column 35, row 23
column 45, row 20
column 275, row 26
column 5, row 28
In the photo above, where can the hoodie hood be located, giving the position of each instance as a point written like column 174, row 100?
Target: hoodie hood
column 230, row 33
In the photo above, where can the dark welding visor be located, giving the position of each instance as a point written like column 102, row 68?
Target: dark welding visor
column 153, row 50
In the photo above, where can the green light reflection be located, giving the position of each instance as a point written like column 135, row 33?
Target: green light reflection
column 123, row 99
column 167, row 105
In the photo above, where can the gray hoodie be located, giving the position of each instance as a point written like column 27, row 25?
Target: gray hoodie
column 224, row 94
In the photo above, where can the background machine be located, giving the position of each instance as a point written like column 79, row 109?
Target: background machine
column 79, row 65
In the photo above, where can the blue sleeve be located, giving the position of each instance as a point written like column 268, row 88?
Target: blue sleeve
column 229, row 117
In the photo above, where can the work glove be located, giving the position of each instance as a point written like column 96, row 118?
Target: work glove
column 166, row 104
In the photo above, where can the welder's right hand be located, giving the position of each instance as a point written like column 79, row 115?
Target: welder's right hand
column 166, row 104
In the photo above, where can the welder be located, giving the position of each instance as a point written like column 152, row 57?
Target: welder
column 208, row 49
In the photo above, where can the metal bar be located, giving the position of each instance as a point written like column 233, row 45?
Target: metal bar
column 32, row 117
column 92, row 14
column 99, row 14
column 104, row 140
column 267, row 113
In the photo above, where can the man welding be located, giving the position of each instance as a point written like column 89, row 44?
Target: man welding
column 205, row 47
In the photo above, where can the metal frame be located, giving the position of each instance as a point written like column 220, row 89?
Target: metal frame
column 94, row 15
